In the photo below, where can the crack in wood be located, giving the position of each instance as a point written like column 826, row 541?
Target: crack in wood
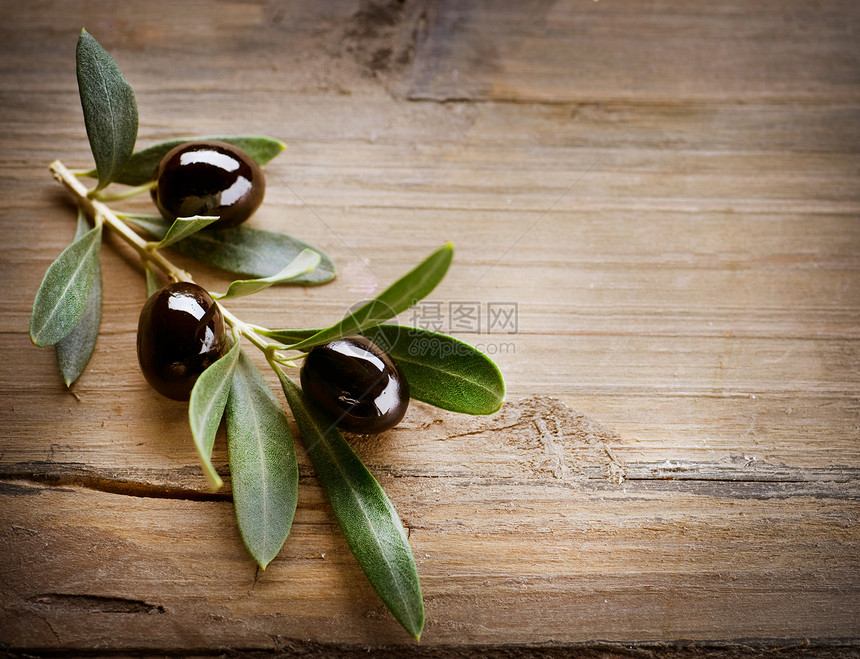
column 740, row 471
column 535, row 441
column 136, row 483
column 483, row 430
column 74, row 603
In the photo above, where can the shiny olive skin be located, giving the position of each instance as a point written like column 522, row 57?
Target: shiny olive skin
column 356, row 384
column 180, row 333
column 209, row 178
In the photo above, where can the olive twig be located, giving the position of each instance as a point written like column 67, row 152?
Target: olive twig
column 250, row 332
column 276, row 366
column 243, row 328
column 95, row 209
column 260, row 330
column 281, row 359
column 188, row 345
column 126, row 194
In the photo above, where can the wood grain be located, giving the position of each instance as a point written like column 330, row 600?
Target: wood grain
column 669, row 195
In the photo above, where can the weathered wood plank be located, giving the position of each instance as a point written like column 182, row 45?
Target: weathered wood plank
column 669, row 195
column 542, row 489
column 561, row 52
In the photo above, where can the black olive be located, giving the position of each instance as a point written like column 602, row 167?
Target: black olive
column 356, row 384
column 180, row 334
column 209, row 178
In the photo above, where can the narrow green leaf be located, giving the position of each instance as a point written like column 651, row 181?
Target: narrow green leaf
column 110, row 109
column 366, row 516
column 288, row 336
column 401, row 295
column 306, row 261
column 243, row 250
column 153, row 283
column 61, row 300
column 140, row 168
column 263, row 466
column 75, row 351
column 441, row 370
column 183, row 227
column 206, row 407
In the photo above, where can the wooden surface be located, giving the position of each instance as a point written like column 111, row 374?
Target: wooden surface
column 669, row 193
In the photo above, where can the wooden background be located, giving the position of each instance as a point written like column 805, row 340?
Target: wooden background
column 669, row 193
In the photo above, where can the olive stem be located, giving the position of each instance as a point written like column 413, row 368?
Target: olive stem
column 243, row 328
column 276, row 366
column 96, row 208
column 119, row 196
column 260, row 330
column 249, row 332
column 102, row 214
column 280, row 359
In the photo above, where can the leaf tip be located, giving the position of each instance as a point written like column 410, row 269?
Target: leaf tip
column 37, row 338
column 213, row 480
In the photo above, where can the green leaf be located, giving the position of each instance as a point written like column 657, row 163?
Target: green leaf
column 441, row 370
column 61, row 300
column 206, row 407
column 366, row 516
column 288, row 336
column 183, row 227
column 110, row 110
column 243, row 250
column 263, row 466
column 401, row 295
column 141, row 166
column 75, row 351
column 306, row 261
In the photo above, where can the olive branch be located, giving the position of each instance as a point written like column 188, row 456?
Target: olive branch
column 261, row 451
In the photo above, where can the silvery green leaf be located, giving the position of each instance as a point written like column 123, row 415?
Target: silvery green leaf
column 61, row 300
column 402, row 294
column 243, row 250
column 75, row 350
column 183, row 227
column 110, row 109
column 140, row 168
column 155, row 225
column 263, row 467
column 441, row 370
column 366, row 516
column 206, row 407
column 306, row 261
